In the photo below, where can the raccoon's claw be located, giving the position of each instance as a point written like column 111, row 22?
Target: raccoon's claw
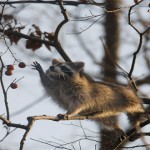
column 62, row 117
column 121, row 135
column 37, row 66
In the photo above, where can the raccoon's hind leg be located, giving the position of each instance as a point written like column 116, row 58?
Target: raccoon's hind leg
column 135, row 119
column 111, row 125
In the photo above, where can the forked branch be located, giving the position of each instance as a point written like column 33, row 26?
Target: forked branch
column 140, row 40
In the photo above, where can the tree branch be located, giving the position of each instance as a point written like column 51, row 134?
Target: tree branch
column 29, row 126
column 140, row 41
column 3, row 88
column 57, row 45
column 32, row 119
column 145, row 80
column 56, row 41
column 131, row 133
column 10, row 124
column 71, row 3
column 16, row 33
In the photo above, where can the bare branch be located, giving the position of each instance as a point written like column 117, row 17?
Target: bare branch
column 10, row 124
column 29, row 126
column 135, row 55
column 57, row 45
column 55, row 2
column 62, row 146
column 56, row 42
column 64, row 12
column 32, row 119
column 3, row 88
column 140, row 36
column 8, row 133
column 145, row 80
column 44, row 142
column 133, row 147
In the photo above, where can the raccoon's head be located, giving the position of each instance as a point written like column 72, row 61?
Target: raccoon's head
column 64, row 70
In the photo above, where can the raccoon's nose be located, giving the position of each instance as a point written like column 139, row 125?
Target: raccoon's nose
column 52, row 68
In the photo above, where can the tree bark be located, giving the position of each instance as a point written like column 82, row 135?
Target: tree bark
column 111, row 27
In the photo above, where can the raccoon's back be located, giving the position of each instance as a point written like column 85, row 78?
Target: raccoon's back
column 115, row 98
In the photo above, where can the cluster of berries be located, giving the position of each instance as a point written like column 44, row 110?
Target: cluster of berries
column 9, row 72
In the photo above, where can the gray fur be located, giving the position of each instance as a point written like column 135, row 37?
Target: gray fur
column 79, row 94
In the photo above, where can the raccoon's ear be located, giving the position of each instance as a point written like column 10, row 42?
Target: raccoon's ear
column 79, row 65
column 55, row 61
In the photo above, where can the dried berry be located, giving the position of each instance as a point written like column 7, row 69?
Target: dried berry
column 10, row 67
column 14, row 85
column 136, row 1
column 22, row 65
column 9, row 72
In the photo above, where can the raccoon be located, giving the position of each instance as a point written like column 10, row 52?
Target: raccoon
column 78, row 93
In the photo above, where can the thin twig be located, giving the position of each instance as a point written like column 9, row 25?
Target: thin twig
column 83, row 129
column 3, row 88
column 8, row 133
column 47, row 143
column 140, row 41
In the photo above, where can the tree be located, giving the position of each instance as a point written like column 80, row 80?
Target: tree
column 25, row 34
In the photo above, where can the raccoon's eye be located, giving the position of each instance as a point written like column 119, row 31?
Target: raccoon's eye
column 66, row 70
column 52, row 68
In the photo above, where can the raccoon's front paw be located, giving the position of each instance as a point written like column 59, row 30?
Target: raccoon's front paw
column 62, row 117
column 37, row 66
